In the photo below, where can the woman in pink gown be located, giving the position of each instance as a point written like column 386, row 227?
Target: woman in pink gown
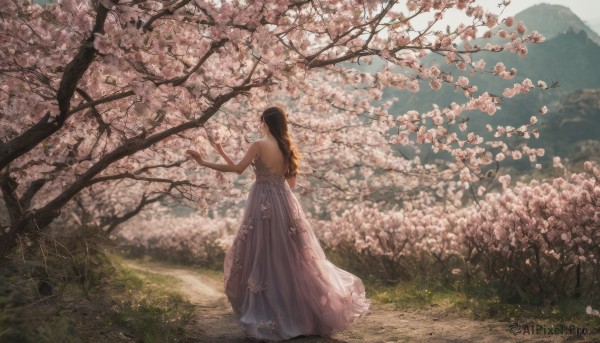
column 277, row 278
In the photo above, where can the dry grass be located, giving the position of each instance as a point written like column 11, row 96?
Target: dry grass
column 73, row 289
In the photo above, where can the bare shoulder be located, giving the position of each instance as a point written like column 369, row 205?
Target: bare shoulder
column 256, row 146
column 258, row 143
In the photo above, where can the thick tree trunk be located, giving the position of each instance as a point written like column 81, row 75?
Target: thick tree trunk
column 7, row 186
column 40, row 218
column 23, row 221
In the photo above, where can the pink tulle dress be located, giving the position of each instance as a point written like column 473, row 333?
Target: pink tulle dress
column 277, row 278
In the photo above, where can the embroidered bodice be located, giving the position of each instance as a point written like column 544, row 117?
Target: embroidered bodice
column 264, row 174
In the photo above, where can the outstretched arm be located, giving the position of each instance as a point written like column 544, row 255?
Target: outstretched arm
column 236, row 168
column 213, row 139
column 224, row 155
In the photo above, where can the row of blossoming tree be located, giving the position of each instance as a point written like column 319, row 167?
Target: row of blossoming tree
column 536, row 241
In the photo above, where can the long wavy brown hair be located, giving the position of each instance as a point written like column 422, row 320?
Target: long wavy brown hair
column 277, row 123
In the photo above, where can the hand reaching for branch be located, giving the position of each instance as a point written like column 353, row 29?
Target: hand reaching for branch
column 215, row 144
column 215, row 141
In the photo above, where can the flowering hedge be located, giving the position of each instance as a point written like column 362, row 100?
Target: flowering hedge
column 539, row 239
column 193, row 239
column 544, row 238
column 535, row 240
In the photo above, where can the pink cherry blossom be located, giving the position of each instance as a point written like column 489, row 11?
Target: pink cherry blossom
column 116, row 123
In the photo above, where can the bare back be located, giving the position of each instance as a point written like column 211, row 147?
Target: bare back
column 271, row 156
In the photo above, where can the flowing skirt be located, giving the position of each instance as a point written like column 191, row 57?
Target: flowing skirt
column 277, row 278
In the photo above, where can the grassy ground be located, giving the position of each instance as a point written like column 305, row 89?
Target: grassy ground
column 480, row 303
column 147, row 260
column 116, row 303
column 148, row 305
column 477, row 302
column 126, row 305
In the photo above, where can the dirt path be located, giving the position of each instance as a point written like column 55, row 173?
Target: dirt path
column 215, row 321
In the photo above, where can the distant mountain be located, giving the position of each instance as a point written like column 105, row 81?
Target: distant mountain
column 552, row 20
column 569, row 56
column 570, row 59
column 574, row 120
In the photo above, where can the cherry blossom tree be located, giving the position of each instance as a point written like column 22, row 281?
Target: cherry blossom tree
column 102, row 97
